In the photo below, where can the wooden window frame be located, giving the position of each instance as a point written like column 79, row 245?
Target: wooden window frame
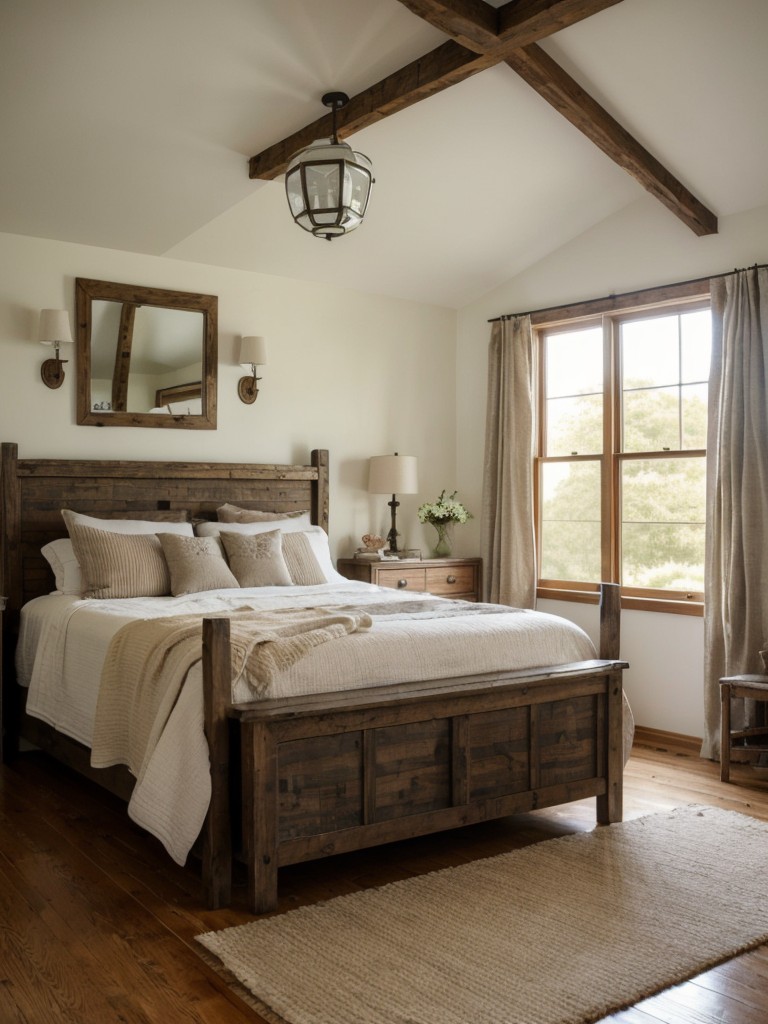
column 609, row 315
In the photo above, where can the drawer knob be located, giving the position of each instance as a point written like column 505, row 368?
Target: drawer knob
column 451, row 579
column 402, row 583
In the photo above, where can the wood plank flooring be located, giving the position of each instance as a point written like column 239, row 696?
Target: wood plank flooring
column 97, row 925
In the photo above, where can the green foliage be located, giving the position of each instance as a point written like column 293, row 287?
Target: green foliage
column 662, row 498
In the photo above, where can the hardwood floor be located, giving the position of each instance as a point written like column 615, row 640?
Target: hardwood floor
column 97, row 925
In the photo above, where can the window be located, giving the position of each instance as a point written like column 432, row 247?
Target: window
column 620, row 469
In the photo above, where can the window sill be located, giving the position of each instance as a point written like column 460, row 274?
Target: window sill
column 644, row 604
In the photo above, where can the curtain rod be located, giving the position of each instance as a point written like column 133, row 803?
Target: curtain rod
column 622, row 295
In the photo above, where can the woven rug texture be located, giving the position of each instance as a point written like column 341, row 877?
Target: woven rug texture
column 562, row 932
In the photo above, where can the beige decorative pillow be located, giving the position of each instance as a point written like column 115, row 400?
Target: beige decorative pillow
column 195, row 564
column 235, row 514
column 256, row 559
column 300, row 558
column 120, row 564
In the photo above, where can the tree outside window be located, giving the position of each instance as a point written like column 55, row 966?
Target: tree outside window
column 620, row 474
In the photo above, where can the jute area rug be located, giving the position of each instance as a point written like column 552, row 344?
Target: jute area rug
column 562, row 932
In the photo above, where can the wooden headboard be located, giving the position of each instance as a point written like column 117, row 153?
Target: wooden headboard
column 35, row 490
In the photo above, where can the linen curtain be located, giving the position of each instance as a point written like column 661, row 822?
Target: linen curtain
column 506, row 531
column 736, row 561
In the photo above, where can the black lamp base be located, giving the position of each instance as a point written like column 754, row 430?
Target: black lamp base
column 392, row 535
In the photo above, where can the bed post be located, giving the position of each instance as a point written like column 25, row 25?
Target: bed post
column 610, row 620
column 320, row 488
column 610, row 806
column 10, row 591
column 217, row 698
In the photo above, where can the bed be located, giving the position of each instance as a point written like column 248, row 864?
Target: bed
column 308, row 769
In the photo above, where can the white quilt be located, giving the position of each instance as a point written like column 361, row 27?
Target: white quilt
column 64, row 641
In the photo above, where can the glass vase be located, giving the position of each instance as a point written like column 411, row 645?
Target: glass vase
column 442, row 548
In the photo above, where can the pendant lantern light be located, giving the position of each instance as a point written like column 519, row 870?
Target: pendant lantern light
column 328, row 184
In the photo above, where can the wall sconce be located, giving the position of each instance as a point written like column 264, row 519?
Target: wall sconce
column 393, row 474
column 252, row 353
column 54, row 330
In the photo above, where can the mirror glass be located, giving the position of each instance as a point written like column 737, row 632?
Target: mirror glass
column 146, row 356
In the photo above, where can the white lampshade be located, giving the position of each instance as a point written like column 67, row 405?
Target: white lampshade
column 54, row 327
column 393, row 474
column 253, row 351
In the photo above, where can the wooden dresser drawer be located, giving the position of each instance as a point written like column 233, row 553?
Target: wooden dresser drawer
column 445, row 577
column 401, row 578
column 454, row 580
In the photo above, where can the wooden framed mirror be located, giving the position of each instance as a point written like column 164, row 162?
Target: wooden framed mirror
column 146, row 357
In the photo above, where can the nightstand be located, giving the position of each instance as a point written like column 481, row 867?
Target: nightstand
column 445, row 577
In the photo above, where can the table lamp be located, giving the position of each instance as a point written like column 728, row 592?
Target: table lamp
column 393, row 474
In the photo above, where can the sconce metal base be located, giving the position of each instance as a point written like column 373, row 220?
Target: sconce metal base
column 248, row 389
column 52, row 372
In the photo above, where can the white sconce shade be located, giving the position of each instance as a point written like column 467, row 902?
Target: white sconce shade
column 393, row 474
column 252, row 352
column 54, row 329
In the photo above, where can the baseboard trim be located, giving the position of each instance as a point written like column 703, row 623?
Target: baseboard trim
column 661, row 740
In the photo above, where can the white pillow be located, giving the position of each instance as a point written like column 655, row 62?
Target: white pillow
column 60, row 555
column 317, row 536
column 126, row 525
column 213, row 529
column 318, row 540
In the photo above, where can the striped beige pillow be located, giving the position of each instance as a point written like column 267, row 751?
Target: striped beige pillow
column 235, row 514
column 300, row 558
column 120, row 564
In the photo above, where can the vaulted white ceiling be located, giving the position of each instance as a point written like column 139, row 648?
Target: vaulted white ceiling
column 130, row 125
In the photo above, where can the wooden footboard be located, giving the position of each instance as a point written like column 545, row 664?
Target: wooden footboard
column 337, row 772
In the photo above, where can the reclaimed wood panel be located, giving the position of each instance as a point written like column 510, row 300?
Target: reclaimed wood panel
column 413, row 768
column 567, row 740
column 320, row 784
column 499, row 753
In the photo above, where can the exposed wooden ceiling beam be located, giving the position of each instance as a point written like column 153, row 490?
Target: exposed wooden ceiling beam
column 483, row 36
column 565, row 94
column 448, row 64
column 480, row 27
column 474, row 47
column 473, row 23
column 524, row 21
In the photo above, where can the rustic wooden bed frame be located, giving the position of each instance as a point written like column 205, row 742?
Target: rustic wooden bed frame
column 336, row 772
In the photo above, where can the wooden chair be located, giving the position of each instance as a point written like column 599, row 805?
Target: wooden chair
column 750, row 743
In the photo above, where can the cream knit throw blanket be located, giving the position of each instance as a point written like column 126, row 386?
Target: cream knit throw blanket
column 148, row 660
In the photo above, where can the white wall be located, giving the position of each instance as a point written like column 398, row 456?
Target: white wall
column 640, row 247
column 358, row 374
column 362, row 375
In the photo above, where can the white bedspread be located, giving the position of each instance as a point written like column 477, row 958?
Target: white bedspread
column 64, row 641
